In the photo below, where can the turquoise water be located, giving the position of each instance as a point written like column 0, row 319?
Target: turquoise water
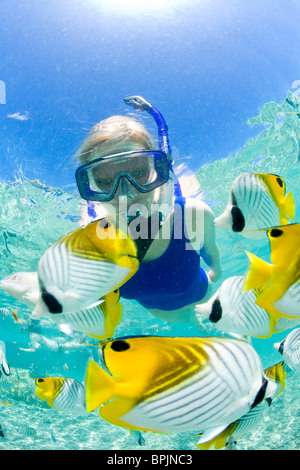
column 35, row 215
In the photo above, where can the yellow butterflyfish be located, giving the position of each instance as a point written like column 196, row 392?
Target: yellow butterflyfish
column 257, row 201
column 275, row 376
column 83, row 266
column 164, row 384
column 98, row 322
column 62, row 393
column 278, row 282
column 289, row 348
column 235, row 312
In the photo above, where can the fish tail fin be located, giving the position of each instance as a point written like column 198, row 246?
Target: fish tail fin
column 288, row 209
column 277, row 374
column 116, row 314
column 98, row 385
column 259, row 272
column 273, row 322
column 112, row 310
column 112, row 319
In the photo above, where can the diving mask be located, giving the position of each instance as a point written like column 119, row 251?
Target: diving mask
column 146, row 170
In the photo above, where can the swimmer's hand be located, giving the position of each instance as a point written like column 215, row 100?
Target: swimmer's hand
column 215, row 274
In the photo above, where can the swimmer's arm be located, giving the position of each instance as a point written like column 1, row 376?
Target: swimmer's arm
column 199, row 220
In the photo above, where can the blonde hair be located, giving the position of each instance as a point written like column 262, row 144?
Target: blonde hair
column 114, row 134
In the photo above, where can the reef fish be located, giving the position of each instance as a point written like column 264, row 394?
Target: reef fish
column 62, row 394
column 3, row 361
column 23, row 286
column 80, row 268
column 276, row 375
column 257, row 201
column 98, row 322
column 164, row 384
column 235, row 312
column 289, row 348
column 278, row 282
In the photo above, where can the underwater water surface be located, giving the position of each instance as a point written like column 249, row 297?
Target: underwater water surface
column 34, row 216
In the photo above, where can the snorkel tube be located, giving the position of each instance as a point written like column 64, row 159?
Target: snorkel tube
column 140, row 103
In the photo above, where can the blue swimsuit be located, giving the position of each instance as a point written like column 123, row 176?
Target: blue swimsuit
column 172, row 281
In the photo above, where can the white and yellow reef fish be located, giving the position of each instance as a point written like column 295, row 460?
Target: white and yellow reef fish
column 289, row 348
column 62, row 394
column 235, row 312
column 24, row 286
column 257, row 201
column 164, row 384
column 98, row 322
column 3, row 361
column 247, row 423
column 278, row 282
column 80, row 268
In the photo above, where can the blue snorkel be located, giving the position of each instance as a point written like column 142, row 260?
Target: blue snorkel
column 140, row 103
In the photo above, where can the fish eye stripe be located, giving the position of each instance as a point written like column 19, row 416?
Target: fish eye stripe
column 216, row 311
column 52, row 303
column 260, row 394
column 281, row 347
column 120, row 345
column 6, row 371
column 238, row 220
column 275, row 232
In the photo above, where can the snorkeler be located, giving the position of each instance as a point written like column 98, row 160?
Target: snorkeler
column 119, row 162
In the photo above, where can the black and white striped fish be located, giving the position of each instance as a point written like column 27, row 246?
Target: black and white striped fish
column 99, row 321
column 289, row 348
column 235, row 312
column 257, row 201
column 4, row 366
column 63, row 394
column 276, row 376
column 80, row 268
column 164, row 384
